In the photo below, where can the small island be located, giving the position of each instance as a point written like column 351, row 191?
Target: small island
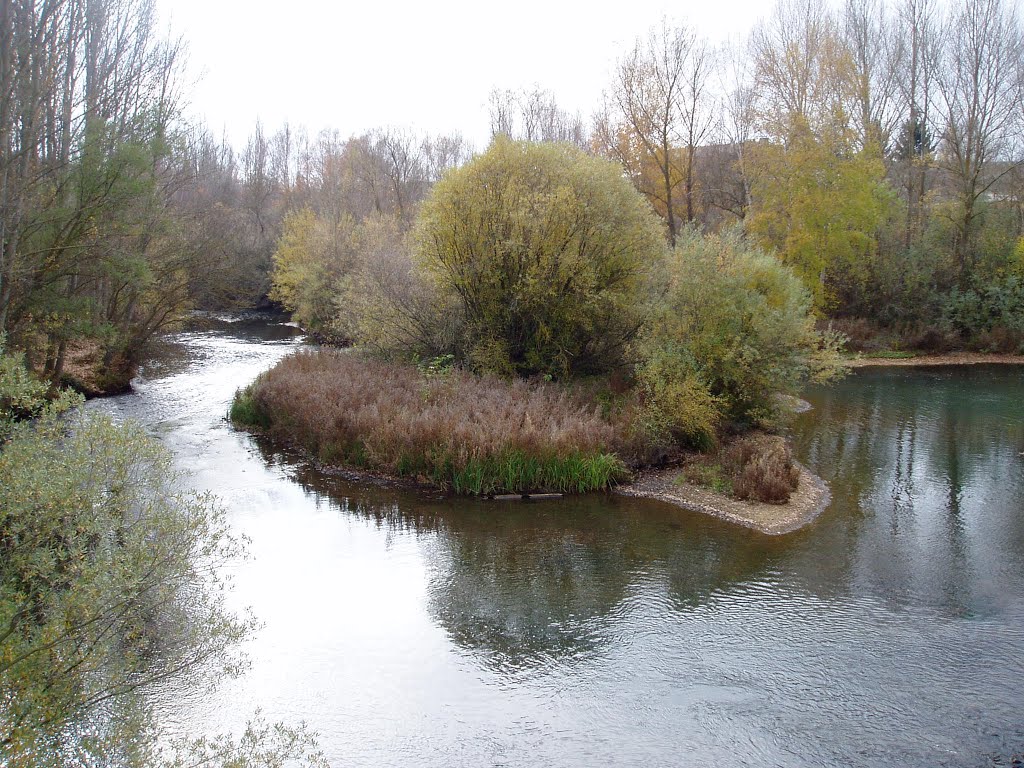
column 559, row 346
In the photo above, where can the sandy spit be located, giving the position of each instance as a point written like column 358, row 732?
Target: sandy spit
column 811, row 498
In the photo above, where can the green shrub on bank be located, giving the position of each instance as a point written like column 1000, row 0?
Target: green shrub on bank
column 736, row 322
column 545, row 253
column 472, row 435
column 22, row 395
column 110, row 585
column 990, row 316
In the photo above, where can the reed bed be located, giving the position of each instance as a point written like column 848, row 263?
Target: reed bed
column 468, row 434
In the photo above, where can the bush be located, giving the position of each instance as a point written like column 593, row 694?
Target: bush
column 762, row 469
column 739, row 322
column 678, row 408
column 991, row 316
column 461, row 432
column 109, row 585
column 545, row 251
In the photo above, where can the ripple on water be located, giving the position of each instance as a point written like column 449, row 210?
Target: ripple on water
column 429, row 632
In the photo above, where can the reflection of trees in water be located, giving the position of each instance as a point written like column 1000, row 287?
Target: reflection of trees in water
column 525, row 583
column 520, row 584
column 926, row 477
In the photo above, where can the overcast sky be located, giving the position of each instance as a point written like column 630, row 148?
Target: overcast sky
column 428, row 66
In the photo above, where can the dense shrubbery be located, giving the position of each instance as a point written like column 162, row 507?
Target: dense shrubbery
column 109, row 586
column 990, row 316
column 734, row 329
column 535, row 259
column 545, row 253
column 469, row 434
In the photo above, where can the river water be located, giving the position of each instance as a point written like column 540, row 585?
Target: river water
column 422, row 631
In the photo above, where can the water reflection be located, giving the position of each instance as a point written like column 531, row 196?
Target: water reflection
column 927, row 476
column 417, row 630
column 520, row 585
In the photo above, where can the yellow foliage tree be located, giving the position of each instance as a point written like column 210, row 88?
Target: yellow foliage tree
column 819, row 201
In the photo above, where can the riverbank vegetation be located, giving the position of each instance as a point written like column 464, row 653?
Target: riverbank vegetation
column 470, row 434
column 573, row 342
column 874, row 149
column 111, row 586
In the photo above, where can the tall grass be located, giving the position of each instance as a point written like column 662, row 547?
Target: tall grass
column 472, row 435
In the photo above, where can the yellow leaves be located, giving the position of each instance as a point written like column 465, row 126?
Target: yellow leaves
column 818, row 202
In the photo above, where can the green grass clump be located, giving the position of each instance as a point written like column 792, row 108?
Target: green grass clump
column 245, row 411
column 893, row 354
column 709, row 475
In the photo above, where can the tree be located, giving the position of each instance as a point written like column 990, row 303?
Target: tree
column 534, row 115
column 819, row 202
column 545, row 250
column 657, row 112
column 918, row 64
column 981, row 86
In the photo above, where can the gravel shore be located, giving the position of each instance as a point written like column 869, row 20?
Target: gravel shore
column 811, row 497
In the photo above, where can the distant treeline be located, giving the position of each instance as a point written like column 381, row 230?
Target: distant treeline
column 876, row 148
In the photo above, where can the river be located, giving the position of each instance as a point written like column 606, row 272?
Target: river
column 415, row 630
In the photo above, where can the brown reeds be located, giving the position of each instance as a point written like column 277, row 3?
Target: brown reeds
column 469, row 434
column 762, row 469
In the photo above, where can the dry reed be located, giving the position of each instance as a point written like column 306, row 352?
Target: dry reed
column 469, row 434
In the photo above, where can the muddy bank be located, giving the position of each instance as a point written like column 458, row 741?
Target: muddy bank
column 952, row 358
column 809, row 500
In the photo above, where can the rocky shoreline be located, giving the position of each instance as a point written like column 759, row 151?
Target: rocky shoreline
column 951, row 358
column 810, row 499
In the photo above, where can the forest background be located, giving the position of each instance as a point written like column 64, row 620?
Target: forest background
column 874, row 147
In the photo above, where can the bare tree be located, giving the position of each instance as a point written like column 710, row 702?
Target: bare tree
column 919, row 58
column 981, row 87
column 655, row 114
column 534, row 115
column 802, row 68
column 875, row 47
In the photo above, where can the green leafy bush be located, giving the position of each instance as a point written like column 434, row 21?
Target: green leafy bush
column 545, row 252
column 736, row 323
column 991, row 315
column 108, row 585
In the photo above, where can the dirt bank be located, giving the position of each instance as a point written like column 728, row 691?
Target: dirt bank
column 951, row 358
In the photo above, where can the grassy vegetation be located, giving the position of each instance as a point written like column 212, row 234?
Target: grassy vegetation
column 468, row 434
column 757, row 468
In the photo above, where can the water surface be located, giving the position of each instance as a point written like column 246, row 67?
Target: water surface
column 411, row 629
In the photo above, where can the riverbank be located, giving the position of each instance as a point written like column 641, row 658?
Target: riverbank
column 950, row 358
column 808, row 501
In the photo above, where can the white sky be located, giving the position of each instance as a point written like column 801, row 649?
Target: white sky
column 428, row 66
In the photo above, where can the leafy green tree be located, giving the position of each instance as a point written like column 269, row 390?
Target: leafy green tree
column 546, row 252
column 819, row 201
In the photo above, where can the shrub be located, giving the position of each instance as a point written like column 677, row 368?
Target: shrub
column 678, row 408
column 110, row 584
column 991, row 315
column 545, row 252
column 739, row 322
column 762, row 469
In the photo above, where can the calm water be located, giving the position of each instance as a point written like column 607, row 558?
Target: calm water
column 420, row 631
